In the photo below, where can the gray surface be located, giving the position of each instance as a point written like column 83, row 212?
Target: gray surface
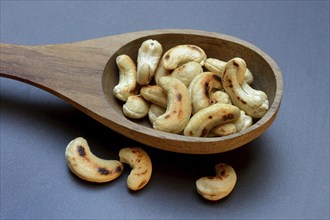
column 283, row 174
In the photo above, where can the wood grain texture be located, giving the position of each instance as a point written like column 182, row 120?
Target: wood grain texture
column 84, row 74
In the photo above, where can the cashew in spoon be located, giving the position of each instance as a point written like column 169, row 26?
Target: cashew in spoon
column 201, row 88
column 181, row 54
column 136, row 107
column 155, row 111
column 219, row 186
column 218, row 66
column 82, row 162
column 148, row 58
column 127, row 85
column 187, row 72
column 154, row 94
column 203, row 121
column 178, row 106
column 253, row 102
column 141, row 166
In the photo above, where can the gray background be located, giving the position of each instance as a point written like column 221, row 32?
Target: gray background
column 283, row 174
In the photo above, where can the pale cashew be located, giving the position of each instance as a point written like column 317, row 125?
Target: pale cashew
column 202, row 122
column 155, row 111
column 218, row 66
column 178, row 109
column 201, row 88
column 253, row 102
column 82, row 162
column 187, row 72
column 220, row 97
column 136, row 107
column 154, row 94
column 244, row 121
column 127, row 85
column 160, row 72
column 219, row 186
column 141, row 166
column 148, row 58
column 181, row 54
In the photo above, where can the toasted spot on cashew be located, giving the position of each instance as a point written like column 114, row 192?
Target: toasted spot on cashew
column 178, row 109
column 178, row 55
column 154, row 94
column 136, row 107
column 203, row 121
column 187, row 72
column 127, row 84
column 148, row 58
column 155, row 111
column 141, row 166
column 219, row 186
column 218, row 66
column 201, row 88
column 83, row 163
column 253, row 102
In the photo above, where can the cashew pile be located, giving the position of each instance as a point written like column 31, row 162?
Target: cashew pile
column 184, row 92
column 83, row 163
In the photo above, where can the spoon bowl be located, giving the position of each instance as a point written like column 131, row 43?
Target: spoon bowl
column 84, row 74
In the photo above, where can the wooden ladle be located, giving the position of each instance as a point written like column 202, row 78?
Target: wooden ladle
column 84, row 74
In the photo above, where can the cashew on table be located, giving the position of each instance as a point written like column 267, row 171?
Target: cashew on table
column 184, row 92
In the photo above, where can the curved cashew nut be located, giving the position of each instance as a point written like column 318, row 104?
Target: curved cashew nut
column 154, row 94
column 202, row 122
column 187, row 72
column 127, row 85
column 220, row 97
column 148, row 58
column 141, row 166
column 178, row 109
column 155, row 111
column 253, row 102
column 201, row 88
column 219, row 186
column 136, row 107
column 82, row 162
column 160, row 72
column 181, row 54
column 218, row 66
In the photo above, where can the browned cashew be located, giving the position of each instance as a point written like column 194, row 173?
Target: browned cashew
column 253, row 102
column 141, row 166
column 202, row 122
column 136, row 107
column 154, row 94
column 82, row 162
column 148, row 58
column 187, row 72
column 219, row 186
column 181, row 54
column 155, row 111
column 201, row 88
column 127, row 85
column 178, row 109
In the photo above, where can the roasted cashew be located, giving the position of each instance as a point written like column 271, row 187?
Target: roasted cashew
column 141, row 166
column 127, row 85
column 154, row 94
column 155, row 111
column 253, row 102
column 203, row 121
column 178, row 109
column 244, row 121
column 220, row 97
column 201, row 88
column 219, row 186
column 160, row 72
column 187, row 72
column 178, row 55
column 136, row 107
column 218, row 66
column 148, row 58
column 82, row 162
